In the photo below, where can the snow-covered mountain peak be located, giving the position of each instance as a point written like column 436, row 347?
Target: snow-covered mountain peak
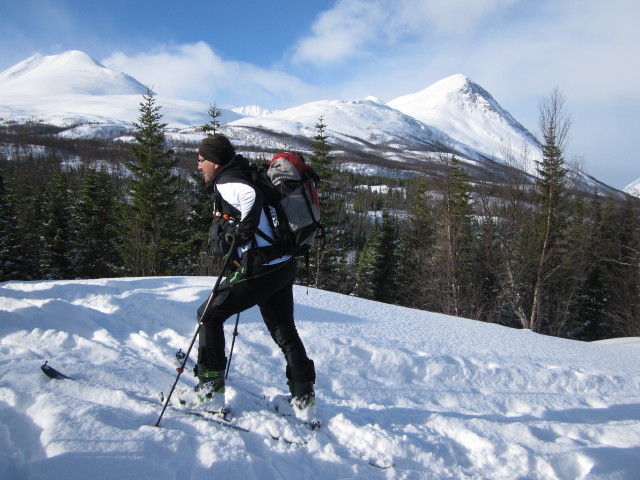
column 373, row 99
column 252, row 111
column 71, row 72
column 350, row 122
column 461, row 91
column 468, row 113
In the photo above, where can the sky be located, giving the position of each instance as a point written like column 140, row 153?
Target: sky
column 279, row 54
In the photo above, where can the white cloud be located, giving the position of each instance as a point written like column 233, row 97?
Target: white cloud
column 196, row 72
column 358, row 27
column 519, row 50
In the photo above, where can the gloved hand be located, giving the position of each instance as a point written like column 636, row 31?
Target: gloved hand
column 236, row 233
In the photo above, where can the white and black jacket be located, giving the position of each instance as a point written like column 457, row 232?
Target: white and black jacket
column 237, row 197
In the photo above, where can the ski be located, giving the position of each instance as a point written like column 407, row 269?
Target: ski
column 52, row 372
column 216, row 417
column 213, row 417
column 277, row 405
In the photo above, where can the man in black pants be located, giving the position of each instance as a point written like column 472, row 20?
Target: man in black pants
column 263, row 278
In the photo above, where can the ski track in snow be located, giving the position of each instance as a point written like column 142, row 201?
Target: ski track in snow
column 402, row 393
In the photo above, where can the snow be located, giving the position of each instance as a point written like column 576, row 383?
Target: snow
column 252, row 111
column 72, row 89
column 434, row 396
column 469, row 114
column 72, row 72
column 359, row 123
column 633, row 188
column 454, row 115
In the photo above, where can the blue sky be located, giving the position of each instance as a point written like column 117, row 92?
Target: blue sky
column 281, row 53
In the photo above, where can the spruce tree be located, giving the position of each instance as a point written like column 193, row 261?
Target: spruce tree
column 454, row 279
column 13, row 255
column 29, row 219
column 200, row 206
column 328, row 254
column 378, row 263
column 150, row 225
column 57, row 232
column 554, row 126
column 94, row 215
column 214, row 124
column 417, row 245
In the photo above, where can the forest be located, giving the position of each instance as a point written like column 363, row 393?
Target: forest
column 528, row 252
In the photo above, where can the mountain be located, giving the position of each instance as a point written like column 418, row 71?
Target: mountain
column 363, row 125
column 633, row 188
column 453, row 116
column 469, row 114
column 70, row 73
column 74, row 90
column 402, row 393
column 252, row 111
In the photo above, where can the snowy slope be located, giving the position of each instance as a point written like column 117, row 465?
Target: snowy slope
column 252, row 111
column 633, row 188
column 72, row 72
column 468, row 113
column 358, row 123
column 74, row 89
column 454, row 116
column 427, row 395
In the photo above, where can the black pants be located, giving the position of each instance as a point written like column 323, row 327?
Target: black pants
column 271, row 288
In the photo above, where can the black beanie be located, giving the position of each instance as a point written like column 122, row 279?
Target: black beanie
column 217, row 149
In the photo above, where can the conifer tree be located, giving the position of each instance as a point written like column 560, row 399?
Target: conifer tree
column 94, row 215
column 554, row 124
column 328, row 255
column 57, row 233
column 621, row 268
column 455, row 286
column 378, row 263
column 29, row 220
column 13, row 258
column 417, row 244
column 214, row 124
column 199, row 211
column 150, row 226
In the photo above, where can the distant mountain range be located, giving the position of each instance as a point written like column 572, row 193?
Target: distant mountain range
column 452, row 116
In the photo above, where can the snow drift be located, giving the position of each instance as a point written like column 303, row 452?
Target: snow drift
column 419, row 394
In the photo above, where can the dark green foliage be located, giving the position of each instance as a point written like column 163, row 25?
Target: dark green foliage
column 214, row 125
column 379, row 262
column 150, row 225
column 57, row 232
column 14, row 258
column 95, row 214
column 328, row 264
column 487, row 251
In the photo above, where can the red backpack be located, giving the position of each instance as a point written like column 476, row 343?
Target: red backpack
column 289, row 185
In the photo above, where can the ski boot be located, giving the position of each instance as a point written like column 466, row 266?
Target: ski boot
column 208, row 395
column 303, row 402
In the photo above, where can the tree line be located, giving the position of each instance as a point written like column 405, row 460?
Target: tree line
column 539, row 255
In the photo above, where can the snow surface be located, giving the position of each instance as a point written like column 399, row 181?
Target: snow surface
column 633, row 188
column 434, row 396
column 72, row 72
column 360, row 123
column 468, row 113
column 72, row 89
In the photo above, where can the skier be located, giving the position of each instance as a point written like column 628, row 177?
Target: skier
column 262, row 278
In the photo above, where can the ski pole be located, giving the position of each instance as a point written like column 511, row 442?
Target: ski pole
column 212, row 295
column 233, row 342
